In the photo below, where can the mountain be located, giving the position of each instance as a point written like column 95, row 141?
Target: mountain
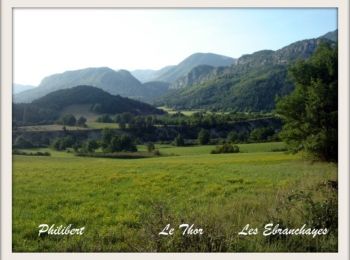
column 18, row 88
column 155, row 90
column 114, row 82
column 144, row 75
column 150, row 75
column 48, row 108
column 252, row 83
column 172, row 73
column 333, row 36
column 196, row 59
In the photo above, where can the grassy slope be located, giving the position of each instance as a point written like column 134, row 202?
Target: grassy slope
column 124, row 204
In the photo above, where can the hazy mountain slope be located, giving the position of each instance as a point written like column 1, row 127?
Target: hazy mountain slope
column 251, row 84
column 155, row 90
column 143, row 75
column 115, row 82
column 147, row 75
column 18, row 88
column 192, row 61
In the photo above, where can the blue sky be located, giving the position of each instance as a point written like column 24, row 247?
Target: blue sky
column 48, row 41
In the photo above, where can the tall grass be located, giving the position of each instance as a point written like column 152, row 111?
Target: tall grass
column 124, row 204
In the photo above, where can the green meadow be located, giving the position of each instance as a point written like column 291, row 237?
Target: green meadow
column 125, row 203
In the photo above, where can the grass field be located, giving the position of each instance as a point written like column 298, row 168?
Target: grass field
column 124, row 204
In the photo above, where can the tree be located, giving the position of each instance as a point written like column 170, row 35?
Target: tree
column 107, row 135
column 122, row 143
column 203, row 137
column 90, row 146
column 81, row 121
column 261, row 134
column 150, row 147
column 233, row 137
column 310, row 112
column 226, row 148
column 179, row 141
column 68, row 120
column 104, row 119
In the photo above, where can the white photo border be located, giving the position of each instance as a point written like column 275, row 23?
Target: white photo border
column 7, row 7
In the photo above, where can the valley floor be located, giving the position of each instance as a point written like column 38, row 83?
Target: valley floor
column 124, row 204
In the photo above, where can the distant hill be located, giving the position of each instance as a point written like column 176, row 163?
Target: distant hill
column 252, row 83
column 144, row 75
column 18, row 88
column 155, row 89
column 172, row 73
column 333, row 36
column 114, row 82
column 184, row 67
column 48, row 108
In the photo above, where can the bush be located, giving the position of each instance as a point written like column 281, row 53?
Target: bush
column 261, row 134
column 226, row 148
column 156, row 152
column 104, row 119
column 150, row 147
column 68, row 120
column 203, row 137
column 61, row 144
column 179, row 141
column 89, row 146
column 123, row 143
column 81, row 121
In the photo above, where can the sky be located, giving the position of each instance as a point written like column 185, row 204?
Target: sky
column 49, row 41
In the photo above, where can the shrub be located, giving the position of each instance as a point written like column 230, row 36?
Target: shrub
column 104, row 119
column 203, row 137
column 89, row 146
column 179, row 141
column 123, row 143
column 81, row 121
column 63, row 143
column 226, row 148
column 150, row 147
column 68, row 120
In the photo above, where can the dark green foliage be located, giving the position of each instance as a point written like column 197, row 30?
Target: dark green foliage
column 122, row 143
column 104, row 119
column 105, row 102
column 310, row 112
column 150, row 147
column 252, row 84
column 179, row 141
column 226, row 148
column 63, row 143
column 203, row 137
column 21, row 142
column 107, row 135
column 233, row 137
column 112, row 142
column 68, row 120
column 90, row 146
column 47, row 109
column 261, row 134
column 81, row 121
